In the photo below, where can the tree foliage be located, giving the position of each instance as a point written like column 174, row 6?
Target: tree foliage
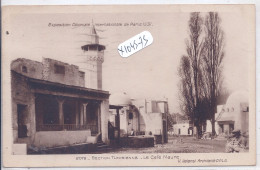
column 213, row 62
column 190, row 71
column 200, row 69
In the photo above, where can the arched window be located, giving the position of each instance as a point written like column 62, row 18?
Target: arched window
column 24, row 69
column 130, row 116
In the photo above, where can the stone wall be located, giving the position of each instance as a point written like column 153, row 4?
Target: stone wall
column 70, row 76
column 21, row 95
column 27, row 68
column 51, row 139
column 50, row 70
column 137, row 142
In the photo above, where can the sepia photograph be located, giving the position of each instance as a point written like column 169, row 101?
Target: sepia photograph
column 129, row 86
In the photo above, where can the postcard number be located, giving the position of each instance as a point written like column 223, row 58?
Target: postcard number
column 135, row 44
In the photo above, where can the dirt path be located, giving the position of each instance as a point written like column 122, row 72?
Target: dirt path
column 179, row 145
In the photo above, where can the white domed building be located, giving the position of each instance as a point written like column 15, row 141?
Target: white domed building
column 137, row 118
column 233, row 115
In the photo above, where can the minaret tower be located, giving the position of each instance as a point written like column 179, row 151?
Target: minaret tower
column 94, row 56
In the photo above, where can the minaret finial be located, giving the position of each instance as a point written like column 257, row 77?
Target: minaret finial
column 93, row 30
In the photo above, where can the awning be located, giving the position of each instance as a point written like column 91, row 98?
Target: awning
column 58, row 89
column 226, row 119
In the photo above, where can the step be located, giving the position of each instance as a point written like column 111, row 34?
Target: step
column 105, row 149
column 103, row 146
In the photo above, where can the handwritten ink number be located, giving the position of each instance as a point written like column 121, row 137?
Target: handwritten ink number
column 145, row 40
column 141, row 41
column 121, row 50
column 129, row 48
column 133, row 46
column 126, row 49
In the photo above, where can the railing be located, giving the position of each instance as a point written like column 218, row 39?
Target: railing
column 140, row 133
column 69, row 127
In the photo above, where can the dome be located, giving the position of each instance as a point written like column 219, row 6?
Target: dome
column 237, row 98
column 120, row 99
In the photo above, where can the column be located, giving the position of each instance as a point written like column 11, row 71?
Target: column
column 84, row 116
column 32, row 119
column 139, row 117
column 118, row 126
column 99, row 118
column 77, row 113
column 61, row 115
column 104, row 112
column 81, row 114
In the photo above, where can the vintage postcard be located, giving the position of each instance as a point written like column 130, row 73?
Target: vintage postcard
column 128, row 85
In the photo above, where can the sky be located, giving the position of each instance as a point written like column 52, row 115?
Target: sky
column 150, row 73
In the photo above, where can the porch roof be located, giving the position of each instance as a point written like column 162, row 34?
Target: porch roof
column 53, row 88
column 226, row 119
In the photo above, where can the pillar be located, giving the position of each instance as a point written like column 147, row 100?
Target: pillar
column 99, row 118
column 32, row 112
column 61, row 115
column 104, row 120
column 118, row 126
column 84, row 115
column 77, row 113
column 81, row 114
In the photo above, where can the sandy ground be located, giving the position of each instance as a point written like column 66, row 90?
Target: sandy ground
column 178, row 145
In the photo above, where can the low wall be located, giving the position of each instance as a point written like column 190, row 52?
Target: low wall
column 137, row 142
column 50, row 139
column 75, row 149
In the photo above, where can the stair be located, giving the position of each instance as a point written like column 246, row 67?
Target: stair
column 101, row 146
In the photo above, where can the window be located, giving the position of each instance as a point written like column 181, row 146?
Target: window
column 24, row 69
column 81, row 74
column 58, row 69
column 245, row 109
column 130, row 116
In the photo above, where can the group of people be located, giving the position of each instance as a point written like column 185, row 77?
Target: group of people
column 236, row 142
